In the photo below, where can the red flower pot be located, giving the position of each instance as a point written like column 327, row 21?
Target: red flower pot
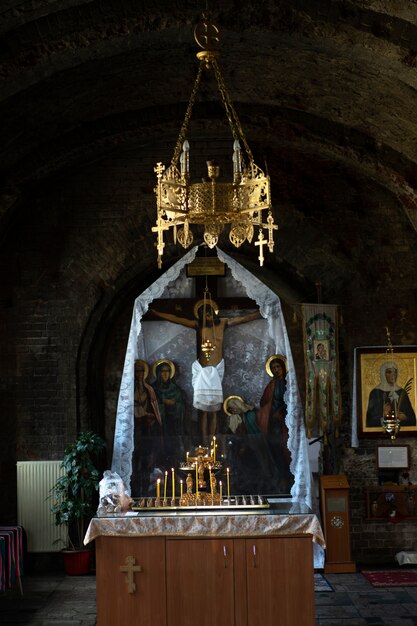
column 77, row 562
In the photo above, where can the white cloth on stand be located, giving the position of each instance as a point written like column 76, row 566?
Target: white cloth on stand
column 207, row 385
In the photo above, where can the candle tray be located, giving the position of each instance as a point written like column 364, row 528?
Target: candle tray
column 241, row 503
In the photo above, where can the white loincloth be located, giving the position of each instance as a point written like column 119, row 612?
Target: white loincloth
column 207, row 385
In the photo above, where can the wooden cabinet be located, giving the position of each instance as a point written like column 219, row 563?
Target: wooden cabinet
column 385, row 502
column 226, row 582
column 200, row 582
column 116, row 604
column 279, row 581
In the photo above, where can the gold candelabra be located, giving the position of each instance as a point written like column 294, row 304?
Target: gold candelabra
column 197, row 468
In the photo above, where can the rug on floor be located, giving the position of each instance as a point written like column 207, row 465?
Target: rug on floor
column 321, row 583
column 392, row 578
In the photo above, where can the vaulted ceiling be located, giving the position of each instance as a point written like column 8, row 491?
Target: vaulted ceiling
column 326, row 91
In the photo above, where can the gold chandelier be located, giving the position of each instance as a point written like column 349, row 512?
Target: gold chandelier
column 239, row 203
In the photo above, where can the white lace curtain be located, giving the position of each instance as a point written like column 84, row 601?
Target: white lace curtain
column 246, row 349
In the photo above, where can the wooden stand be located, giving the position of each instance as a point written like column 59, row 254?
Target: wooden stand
column 334, row 496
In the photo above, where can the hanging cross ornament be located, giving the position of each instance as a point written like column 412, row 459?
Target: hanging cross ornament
column 261, row 243
column 161, row 225
column 130, row 569
column 271, row 227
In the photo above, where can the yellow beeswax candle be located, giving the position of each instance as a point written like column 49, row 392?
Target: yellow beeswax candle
column 221, row 489
column 228, row 482
column 196, row 478
column 158, row 488
column 180, row 489
column 214, row 449
column 165, row 485
column 173, row 483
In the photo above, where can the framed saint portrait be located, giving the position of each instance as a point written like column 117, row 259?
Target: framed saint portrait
column 386, row 384
column 321, row 349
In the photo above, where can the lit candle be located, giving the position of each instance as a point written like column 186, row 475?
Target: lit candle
column 228, row 482
column 214, row 449
column 188, row 454
column 196, row 478
column 211, row 481
column 165, row 485
column 158, row 488
column 173, row 483
column 180, row 489
column 221, row 490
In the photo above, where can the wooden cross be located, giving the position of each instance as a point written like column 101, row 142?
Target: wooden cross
column 204, row 275
column 130, row 569
column 261, row 243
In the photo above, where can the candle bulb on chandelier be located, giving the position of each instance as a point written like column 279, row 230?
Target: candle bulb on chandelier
column 185, row 158
column 237, row 161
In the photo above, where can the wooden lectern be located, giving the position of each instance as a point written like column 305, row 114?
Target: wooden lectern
column 334, row 496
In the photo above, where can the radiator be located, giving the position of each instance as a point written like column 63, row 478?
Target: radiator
column 34, row 482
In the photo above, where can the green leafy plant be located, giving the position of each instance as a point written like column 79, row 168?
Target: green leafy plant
column 73, row 492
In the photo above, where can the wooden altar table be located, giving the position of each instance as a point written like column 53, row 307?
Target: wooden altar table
column 224, row 570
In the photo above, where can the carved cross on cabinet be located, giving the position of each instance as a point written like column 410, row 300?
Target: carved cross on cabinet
column 130, row 570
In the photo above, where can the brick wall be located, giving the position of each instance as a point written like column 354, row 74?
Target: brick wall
column 78, row 254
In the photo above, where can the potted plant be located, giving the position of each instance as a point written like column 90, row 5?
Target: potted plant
column 72, row 494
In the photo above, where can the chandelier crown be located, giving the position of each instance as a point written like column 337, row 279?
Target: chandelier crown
column 239, row 203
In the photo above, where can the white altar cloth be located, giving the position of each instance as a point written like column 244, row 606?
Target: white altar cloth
column 205, row 525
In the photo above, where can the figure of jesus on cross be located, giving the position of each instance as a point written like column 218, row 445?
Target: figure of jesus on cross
column 208, row 369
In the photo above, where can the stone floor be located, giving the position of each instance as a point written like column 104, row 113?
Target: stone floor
column 51, row 601
column 70, row 601
column 356, row 603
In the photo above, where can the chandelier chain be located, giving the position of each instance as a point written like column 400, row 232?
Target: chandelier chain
column 184, row 127
column 232, row 117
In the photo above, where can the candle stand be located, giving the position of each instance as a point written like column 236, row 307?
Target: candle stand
column 203, row 491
